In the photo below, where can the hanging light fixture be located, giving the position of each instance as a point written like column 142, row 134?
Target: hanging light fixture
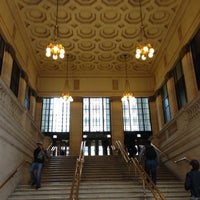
column 65, row 95
column 145, row 50
column 127, row 95
column 55, row 49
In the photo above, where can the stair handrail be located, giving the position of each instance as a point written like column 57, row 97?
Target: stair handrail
column 77, row 173
column 14, row 172
column 122, row 151
column 176, row 161
column 146, row 179
column 160, row 152
column 182, row 159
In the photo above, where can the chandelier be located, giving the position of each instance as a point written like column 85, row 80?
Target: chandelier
column 145, row 50
column 127, row 95
column 55, row 49
column 65, row 95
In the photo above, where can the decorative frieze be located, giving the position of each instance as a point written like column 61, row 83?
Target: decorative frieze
column 194, row 110
column 10, row 104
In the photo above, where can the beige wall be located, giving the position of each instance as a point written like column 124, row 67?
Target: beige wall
column 181, row 138
column 19, row 129
column 18, row 136
column 53, row 86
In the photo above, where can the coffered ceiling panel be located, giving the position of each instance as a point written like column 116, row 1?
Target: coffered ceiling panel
column 95, row 33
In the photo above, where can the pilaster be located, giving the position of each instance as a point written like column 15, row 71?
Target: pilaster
column 32, row 106
column 75, row 127
column 160, row 114
column 7, row 68
column 154, row 117
column 22, row 90
column 172, row 96
column 117, row 121
column 190, row 78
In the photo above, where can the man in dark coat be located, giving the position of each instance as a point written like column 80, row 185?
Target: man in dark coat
column 151, row 160
column 192, row 180
column 36, row 168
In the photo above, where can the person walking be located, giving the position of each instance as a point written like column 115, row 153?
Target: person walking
column 36, row 168
column 192, row 180
column 151, row 160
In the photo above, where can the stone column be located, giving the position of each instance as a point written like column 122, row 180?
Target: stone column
column 154, row 117
column 190, row 78
column 22, row 90
column 117, row 121
column 172, row 96
column 32, row 106
column 7, row 68
column 159, row 109
column 38, row 111
column 75, row 127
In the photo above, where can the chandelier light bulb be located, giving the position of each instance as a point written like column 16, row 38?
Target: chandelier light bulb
column 143, row 57
column 55, row 56
column 48, row 52
column 146, row 49
column 150, row 55
column 138, row 51
column 61, row 56
column 70, row 99
column 137, row 55
column 151, row 50
column 62, row 51
column 55, row 49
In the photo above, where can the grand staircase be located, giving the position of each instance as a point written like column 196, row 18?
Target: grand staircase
column 103, row 177
column 106, row 178
column 56, row 181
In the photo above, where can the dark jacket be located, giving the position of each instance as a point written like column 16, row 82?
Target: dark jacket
column 192, row 182
column 150, row 153
column 39, row 155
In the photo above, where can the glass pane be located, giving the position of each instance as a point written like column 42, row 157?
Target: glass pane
column 55, row 115
column 96, row 114
column 136, row 116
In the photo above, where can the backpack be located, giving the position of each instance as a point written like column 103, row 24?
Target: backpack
column 150, row 153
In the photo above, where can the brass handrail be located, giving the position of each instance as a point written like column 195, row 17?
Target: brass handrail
column 14, row 172
column 182, row 159
column 146, row 180
column 77, row 174
column 161, row 153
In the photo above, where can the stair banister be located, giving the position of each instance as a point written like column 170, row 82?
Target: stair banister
column 146, row 180
column 15, row 171
column 182, row 159
column 77, row 173
column 161, row 153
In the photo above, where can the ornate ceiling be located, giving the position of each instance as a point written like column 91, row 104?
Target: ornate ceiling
column 95, row 33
